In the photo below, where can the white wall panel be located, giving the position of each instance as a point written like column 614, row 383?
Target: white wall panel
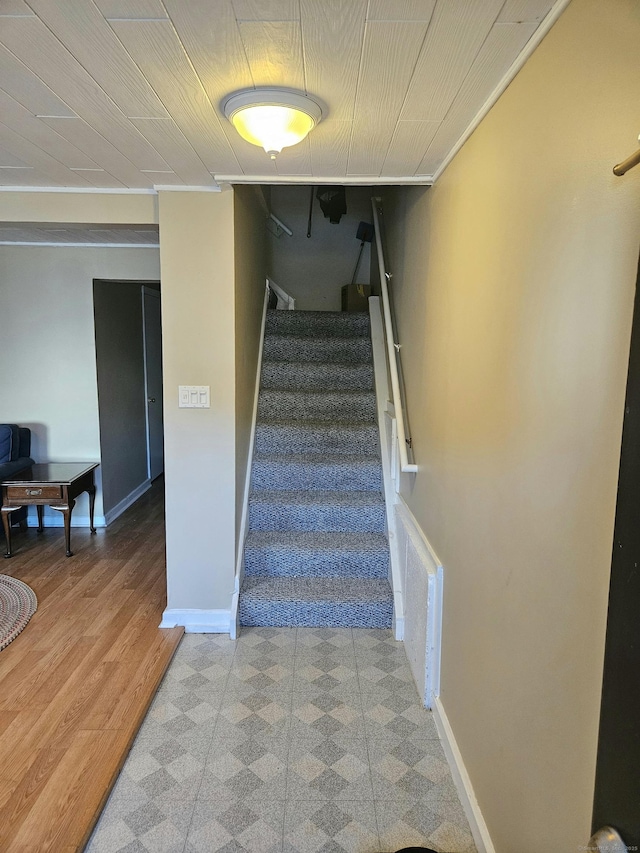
column 266, row 10
column 167, row 138
column 105, row 154
column 422, row 595
column 27, row 88
column 400, row 10
column 332, row 38
column 156, row 48
column 36, row 46
column 274, row 52
column 132, row 9
column 517, row 11
column 329, row 144
column 392, row 50
column 408, row 146
column 93, row 43
column 456, row 32
column 39, row 159
column 40, row 134
column 214, row 46
column 493, row 60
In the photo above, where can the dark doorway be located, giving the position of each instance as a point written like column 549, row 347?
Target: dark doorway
column 617, row 790
column 129, row 374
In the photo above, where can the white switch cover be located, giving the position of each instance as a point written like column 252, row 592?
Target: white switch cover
column 194, row 397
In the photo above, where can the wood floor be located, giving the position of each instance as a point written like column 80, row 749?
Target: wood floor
column 75, row 685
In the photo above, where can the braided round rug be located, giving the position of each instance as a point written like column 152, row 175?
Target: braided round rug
column 18, row 603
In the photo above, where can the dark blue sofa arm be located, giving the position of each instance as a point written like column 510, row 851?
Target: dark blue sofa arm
column 15, row 447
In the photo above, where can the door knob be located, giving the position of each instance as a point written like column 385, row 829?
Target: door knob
column 151, row 399
column 607, row 840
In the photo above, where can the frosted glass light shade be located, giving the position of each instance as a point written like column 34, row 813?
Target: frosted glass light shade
column 272, row 118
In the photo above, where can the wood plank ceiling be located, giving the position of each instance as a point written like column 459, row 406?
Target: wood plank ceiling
column 127, row 93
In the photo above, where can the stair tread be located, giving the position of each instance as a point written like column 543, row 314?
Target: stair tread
column 308, row 423
column 345, row 459
column 312, row 323
column 329, row 590
column 350, row 393
column 280, row 540
column 321, row 496
column 327, row 365
column 317, row 336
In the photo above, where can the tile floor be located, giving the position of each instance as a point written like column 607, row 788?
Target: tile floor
column 307, row 740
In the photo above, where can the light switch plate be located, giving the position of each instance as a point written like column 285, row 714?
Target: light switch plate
column 194, row 397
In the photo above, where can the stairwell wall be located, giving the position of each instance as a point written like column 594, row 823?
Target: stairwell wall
column 514, row 283
column 250, row 236
column 314, row 269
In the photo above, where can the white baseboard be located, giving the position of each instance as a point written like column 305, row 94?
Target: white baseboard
column 461, row 779
column 126, row 502
column 198, row 621
column 55, row 519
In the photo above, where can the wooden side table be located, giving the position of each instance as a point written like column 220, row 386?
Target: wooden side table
column 54, row 484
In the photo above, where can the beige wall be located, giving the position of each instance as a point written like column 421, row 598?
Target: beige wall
column 113, row 208
column 514, row 280
column 250, row 274
column 198, row 348
column 47, row 334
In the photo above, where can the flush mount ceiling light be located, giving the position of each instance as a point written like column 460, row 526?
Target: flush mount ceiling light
column 272, row 118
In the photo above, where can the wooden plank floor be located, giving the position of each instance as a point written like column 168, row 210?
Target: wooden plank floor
column 77, row 682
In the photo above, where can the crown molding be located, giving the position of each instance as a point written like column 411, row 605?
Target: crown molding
column 336, row 180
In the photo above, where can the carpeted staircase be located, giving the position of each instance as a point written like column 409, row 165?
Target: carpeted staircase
column 316, row 553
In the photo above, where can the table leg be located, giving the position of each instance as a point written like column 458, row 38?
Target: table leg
column 40, row 508
column 6, row 523
column 92, row 503
column 66, row 515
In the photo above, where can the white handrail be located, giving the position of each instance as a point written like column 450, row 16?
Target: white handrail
column 392, row 349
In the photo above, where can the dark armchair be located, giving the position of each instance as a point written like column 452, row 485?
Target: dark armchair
column 15, row 447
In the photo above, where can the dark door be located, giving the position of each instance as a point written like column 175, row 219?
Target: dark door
column 617, row 792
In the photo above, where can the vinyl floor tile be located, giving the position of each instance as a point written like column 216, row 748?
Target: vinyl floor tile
column 221, row 826
column 329, row 770
column 150, row 826
column 330, row 827
column 248, row 768
column 295, row 740
column 325, row 638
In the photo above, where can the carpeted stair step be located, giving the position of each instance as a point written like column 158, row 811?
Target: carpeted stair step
column 280, row 435
column 271, row 553
column 317, row 510
column 325, row 349
column 333, row 406
column 311, row 375
column 314, row 602
column 316, row 552
column 322, row 471
column 315, row 323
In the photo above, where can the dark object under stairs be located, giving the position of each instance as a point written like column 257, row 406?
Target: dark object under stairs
column 316, row 552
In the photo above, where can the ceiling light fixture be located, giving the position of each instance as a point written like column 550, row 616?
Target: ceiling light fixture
column 272, row 118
